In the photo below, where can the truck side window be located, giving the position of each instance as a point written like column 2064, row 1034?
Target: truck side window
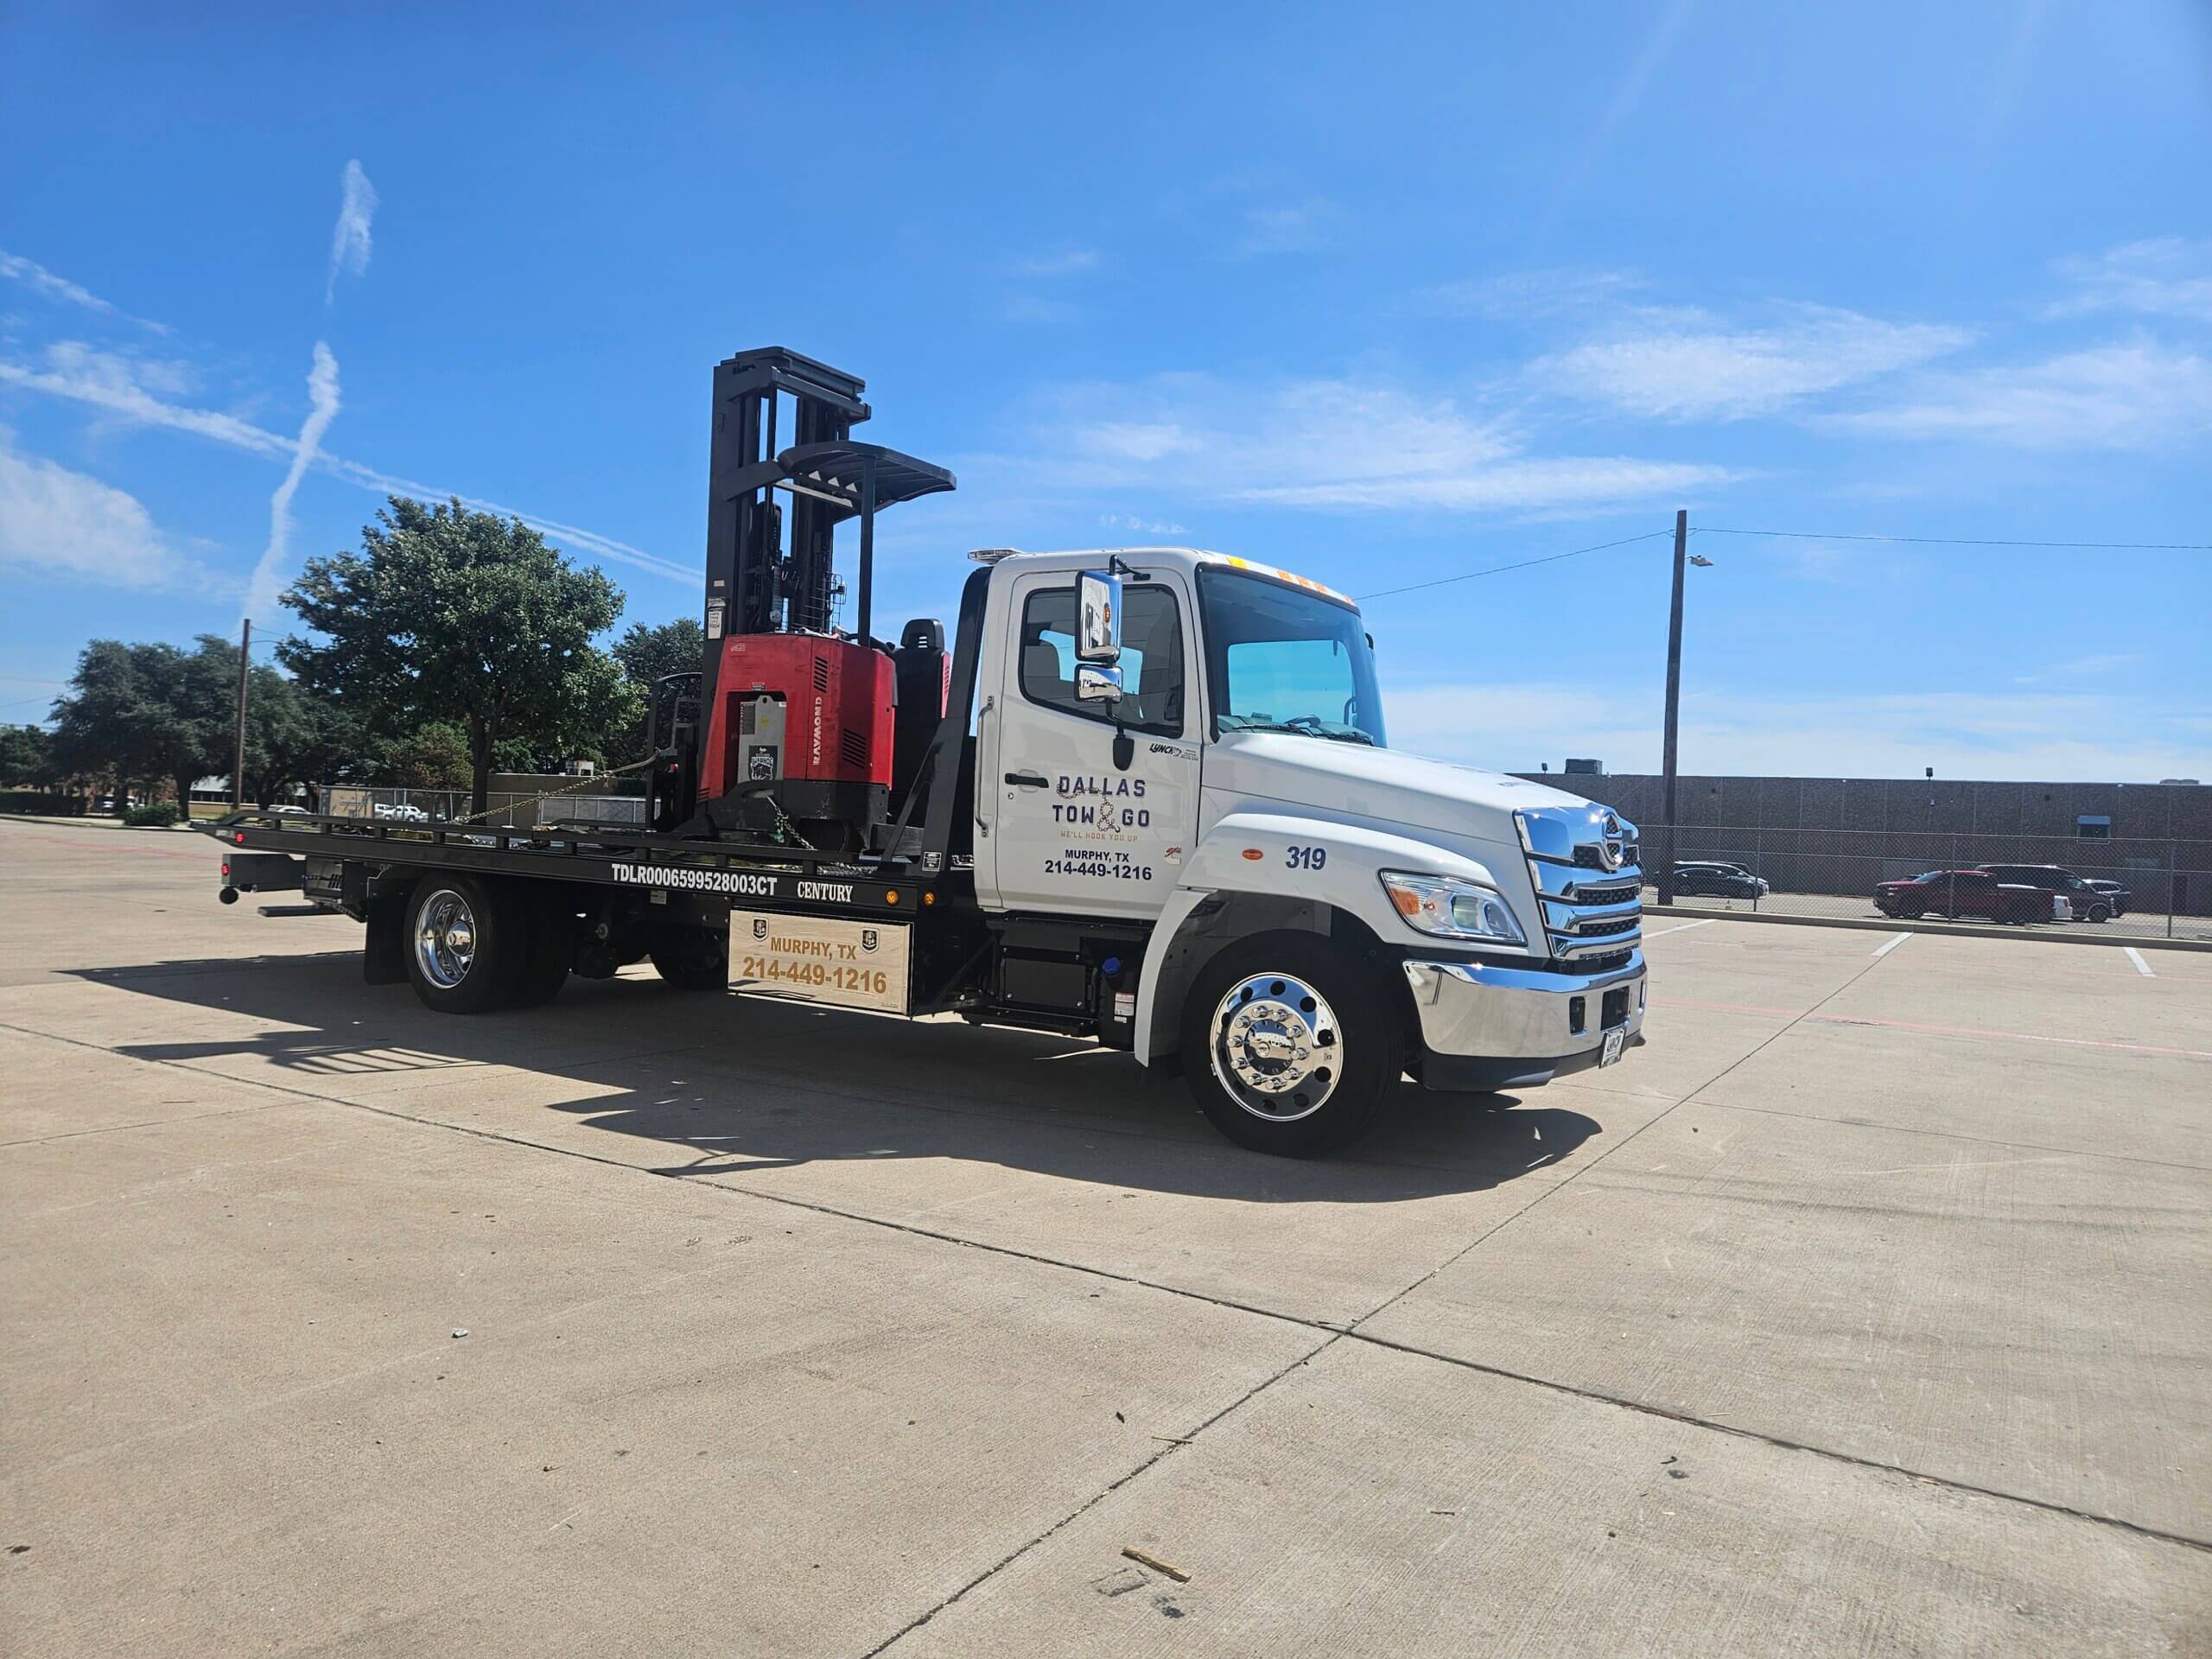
column 1152, row 659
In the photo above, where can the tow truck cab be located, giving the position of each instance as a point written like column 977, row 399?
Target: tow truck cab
column 1227, row 778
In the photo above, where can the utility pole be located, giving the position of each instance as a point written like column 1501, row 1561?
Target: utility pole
column 246, row 649
column 1673, row 701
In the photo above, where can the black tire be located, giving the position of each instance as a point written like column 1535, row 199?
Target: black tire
column 542, row 969
column 460, row 944
column 2100, row 912
column 1354, row 1023
column 693, row 959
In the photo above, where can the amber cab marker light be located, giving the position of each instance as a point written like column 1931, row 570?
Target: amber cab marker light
column 892, row 897
column 1253, row 852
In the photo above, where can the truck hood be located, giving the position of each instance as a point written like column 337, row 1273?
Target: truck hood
column 1385, row 784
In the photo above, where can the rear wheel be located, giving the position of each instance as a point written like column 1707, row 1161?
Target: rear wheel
column 461, row 944
column 693, row 959
column 1288, row 1047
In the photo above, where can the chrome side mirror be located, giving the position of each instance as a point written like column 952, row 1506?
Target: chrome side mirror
column 1098, row 622
column 1098, row 682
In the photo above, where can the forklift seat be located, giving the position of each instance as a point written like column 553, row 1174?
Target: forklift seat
column 922, row 669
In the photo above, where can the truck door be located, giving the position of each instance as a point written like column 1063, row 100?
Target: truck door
column 1088, row 808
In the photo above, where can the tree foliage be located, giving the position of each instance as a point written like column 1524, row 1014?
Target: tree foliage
column 647, row 652
column 27, row 755
column 434, row 755
column 138, row 714
column 450, row 615
column 129, row 715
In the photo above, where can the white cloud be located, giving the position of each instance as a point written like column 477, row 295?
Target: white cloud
column 55, row 522
column 2017, row 736
column 349, row 237
column 1688, row 368
column 1330, row 444
column 45, row 283
column 51, row 285
column 2083, row 667
column 2140, row 396
column 1291, row 228
column 117, row 383
column 1522, row 294
column 2167, row 275
column 262, row 592
column 1064, row 263
column 106, row 381
column 1142, row 526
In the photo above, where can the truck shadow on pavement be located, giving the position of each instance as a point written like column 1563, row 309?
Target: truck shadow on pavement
column 742, row 1086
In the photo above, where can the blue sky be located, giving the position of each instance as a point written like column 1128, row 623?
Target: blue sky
column 1446, row 291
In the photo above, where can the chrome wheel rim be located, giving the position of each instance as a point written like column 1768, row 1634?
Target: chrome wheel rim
column 1277, row 1049
column 445, row 938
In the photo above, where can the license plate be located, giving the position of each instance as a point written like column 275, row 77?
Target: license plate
column 1616, row 1040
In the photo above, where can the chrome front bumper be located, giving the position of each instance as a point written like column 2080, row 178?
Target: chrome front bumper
column 1485, row 1027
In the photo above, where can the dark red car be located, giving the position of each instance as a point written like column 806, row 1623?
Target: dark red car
column 1964, row 892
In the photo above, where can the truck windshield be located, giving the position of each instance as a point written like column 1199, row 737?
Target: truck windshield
column 1279, row 659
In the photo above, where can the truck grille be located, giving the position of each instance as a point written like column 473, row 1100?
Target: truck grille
column 1589, row 889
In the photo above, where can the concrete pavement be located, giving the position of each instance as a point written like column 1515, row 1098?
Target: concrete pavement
column 1862, row 1311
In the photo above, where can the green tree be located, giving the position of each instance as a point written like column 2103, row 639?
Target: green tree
column 647, row 653
column 433, row 755
column 447, row 614
column 128, row 715
column 26, row 755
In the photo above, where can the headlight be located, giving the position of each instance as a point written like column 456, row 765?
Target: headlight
column 1453, row 909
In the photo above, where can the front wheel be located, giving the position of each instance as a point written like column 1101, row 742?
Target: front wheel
column 1289, row 1046
column 2100, row 912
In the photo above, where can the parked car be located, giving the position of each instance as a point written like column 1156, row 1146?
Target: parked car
column 2088, row 905
column 1969, row 893
column 1714, row 878
column 2115, row 895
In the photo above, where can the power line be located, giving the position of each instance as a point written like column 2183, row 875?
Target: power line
column 1550, row 558
column 1959, row 541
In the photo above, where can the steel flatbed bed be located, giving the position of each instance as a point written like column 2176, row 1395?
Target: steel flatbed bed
column 801, row 879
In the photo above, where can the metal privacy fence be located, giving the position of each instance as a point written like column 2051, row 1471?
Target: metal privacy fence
column 2152, row 889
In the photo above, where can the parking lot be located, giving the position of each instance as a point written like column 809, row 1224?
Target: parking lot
column 2136, row 927
column 1863, row 1310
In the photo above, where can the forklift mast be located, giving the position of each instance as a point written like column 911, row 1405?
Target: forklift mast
column 800, row 728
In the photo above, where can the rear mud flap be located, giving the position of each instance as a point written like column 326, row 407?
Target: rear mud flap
column 384, row 957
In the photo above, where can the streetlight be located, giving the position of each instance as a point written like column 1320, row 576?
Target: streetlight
column 1682, row 556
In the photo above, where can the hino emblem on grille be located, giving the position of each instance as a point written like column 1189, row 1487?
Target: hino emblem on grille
column 1612, row 849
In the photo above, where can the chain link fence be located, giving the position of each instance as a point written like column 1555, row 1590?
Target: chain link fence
column 505, row 808
column 2149, row 889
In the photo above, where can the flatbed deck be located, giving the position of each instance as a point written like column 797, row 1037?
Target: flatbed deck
column 803, row 880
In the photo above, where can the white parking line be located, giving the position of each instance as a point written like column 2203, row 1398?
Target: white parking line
column 2141, row 966
column 1893, row 944
column 1683, row 927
